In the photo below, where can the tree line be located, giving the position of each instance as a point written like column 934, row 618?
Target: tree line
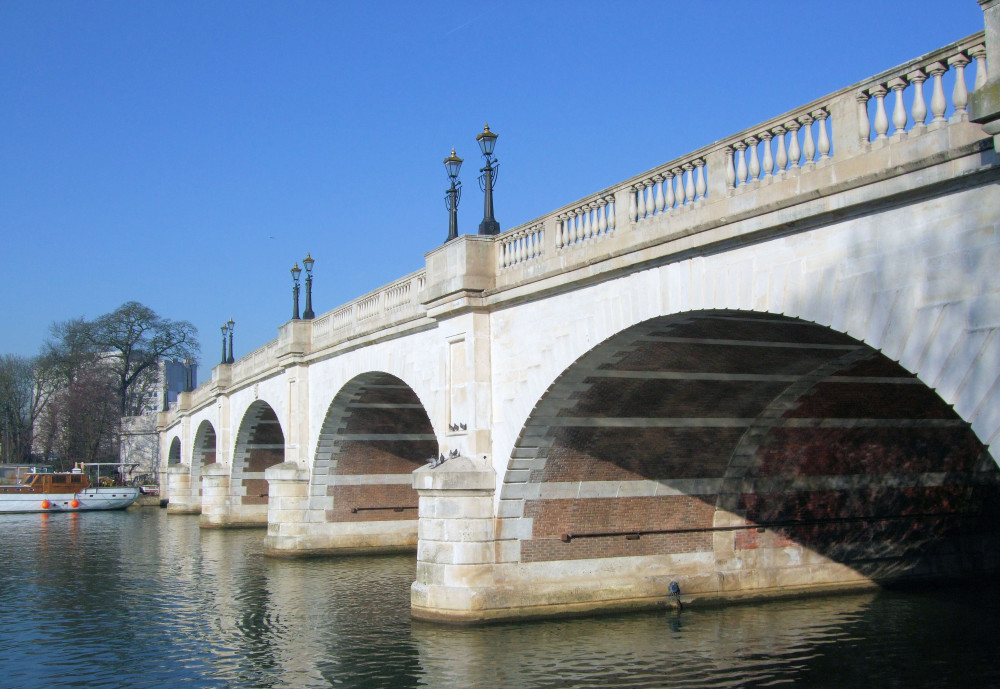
column 65, row 405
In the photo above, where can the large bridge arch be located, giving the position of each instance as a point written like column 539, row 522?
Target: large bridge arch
column 891, row 279
column 736, row 450
column 375, row 433
column 260, row 444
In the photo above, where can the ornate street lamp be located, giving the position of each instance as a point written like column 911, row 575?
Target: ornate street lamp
column 452, row 164
column 487, row 140
column 232, row 327
column 307, row 262
column 225, row 331
column 296, row 272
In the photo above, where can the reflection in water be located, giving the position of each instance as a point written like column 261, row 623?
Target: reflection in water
column 137, row 599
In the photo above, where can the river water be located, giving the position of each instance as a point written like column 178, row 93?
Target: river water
column 140, row 599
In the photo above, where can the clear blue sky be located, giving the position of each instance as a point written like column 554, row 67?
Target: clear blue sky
column 185, row 154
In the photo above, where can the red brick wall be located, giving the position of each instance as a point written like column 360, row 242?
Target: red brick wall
column 346, row 498
column 889, row 442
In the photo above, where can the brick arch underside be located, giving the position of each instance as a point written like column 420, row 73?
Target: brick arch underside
column 260, row 444
column 769, row 431
column 375, row 434
column 204, row 448
column 174, row 453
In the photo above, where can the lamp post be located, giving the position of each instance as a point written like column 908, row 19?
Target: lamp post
column 232, row 327
column 296, row 272
column 307, row 262
column 225, row 331
column 452, row 164
column 487, row 140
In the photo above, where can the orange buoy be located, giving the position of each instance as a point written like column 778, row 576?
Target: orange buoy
column 46, row 504
column 74, row 503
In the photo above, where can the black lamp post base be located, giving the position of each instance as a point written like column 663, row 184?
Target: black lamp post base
column 489, row 227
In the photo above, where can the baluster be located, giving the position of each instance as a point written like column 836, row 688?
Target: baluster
column 881, row 119
column 960, row 94
column 659, row 193
column 768, row 160
column 580, row 232
column 560, row 230
column 668, row 181
column 808, row 147
column 919, row 110
column 823, row 143
column 730, row 172
column 650, row 203
column 700, row 188
column 864, row 125
column 641, row 191
column 741, row 163
column 938, row 102
column 793, row 143
column 611, row 211
column 978, row 53
column 899, row 119
column 632, row 209
column 588, row 228
column 602, row 220
column 751, row 142
column 503, row 255
column 679, row 183
column 689, row 187
column 574, row 226
column 781, row 160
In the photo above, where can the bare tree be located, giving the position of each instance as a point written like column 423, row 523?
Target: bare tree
column 132, row 339
column 24, row 392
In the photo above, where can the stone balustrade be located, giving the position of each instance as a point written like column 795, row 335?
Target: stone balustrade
column 255, row 362
column 920, row 76
column 519, row 245
column 396, row 301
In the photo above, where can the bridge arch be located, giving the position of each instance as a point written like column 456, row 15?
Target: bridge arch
column 174, row 452
column 375, row 433
column 755, row 442
column 204, row 450
column 260, row 443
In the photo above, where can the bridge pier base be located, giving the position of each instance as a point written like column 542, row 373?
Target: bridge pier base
column 287, row 507
column 183, row 497
column 456, row 553
column 215, row 499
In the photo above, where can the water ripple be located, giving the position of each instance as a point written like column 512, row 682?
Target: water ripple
column 137, row 599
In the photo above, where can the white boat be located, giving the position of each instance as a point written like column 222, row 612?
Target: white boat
column 63, row 492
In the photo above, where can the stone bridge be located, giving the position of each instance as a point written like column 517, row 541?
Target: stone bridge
column 767, row 366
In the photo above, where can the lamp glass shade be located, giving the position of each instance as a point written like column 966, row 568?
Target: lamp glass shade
column 308, row 263
column 487, row 140
column 231, row 324
column 225, row 328
column 452, row 164
column 296, row 272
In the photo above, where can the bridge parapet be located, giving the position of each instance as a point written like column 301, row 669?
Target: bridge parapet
column 656, row 206
column 390, row 305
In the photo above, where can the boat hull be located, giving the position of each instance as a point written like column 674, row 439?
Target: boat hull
column 89, row 499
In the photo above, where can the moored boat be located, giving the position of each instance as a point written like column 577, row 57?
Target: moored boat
column 69, row 491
